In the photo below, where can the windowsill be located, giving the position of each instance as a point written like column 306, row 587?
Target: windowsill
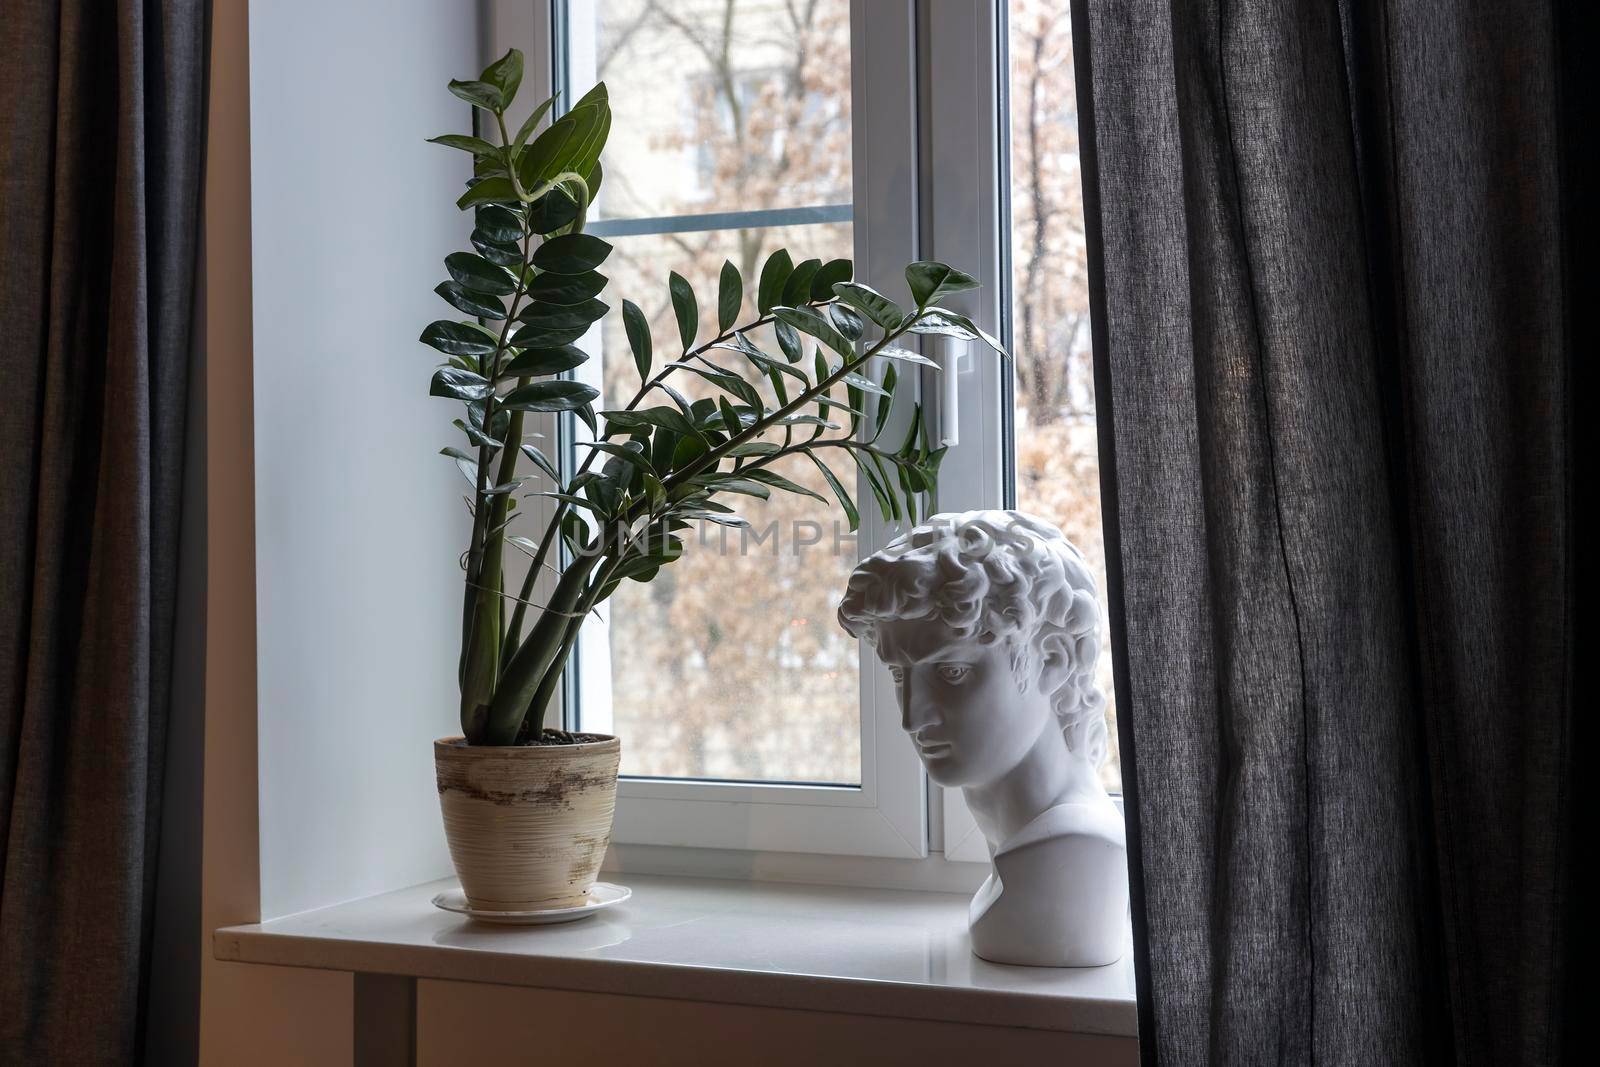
column 882, row 952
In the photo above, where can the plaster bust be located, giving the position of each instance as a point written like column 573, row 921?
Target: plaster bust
column 988, row 622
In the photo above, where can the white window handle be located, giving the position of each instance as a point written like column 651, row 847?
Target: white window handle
column 950, row 359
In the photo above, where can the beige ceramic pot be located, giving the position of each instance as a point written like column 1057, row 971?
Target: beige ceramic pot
column 527, row 825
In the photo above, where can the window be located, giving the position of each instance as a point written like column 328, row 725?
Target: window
column 749, row 719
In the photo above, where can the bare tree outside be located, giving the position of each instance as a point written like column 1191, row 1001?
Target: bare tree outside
column 737, row 105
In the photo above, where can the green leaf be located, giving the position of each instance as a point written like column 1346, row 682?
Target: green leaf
column 630, row 452
column 839, row 490
column 566, row 288
column 871, row 303
column 552, row 212
column 685, row 307
column 541, row 461
column 929, row 281
column 557, row 395
column 531, row 122
column 730, row 296
column 950, row 324
column 754, row 448
column 887, row 402
column 797, row 290
column 459, row 384
column 732, row 421
column 488, row 191
column 536, row 335
column 505, row 74
column 468, row 302
column 637, row 328
column 789, row 342
column 476, row 145
column 808, row 321
column 475, row 435
column 864, row 384
column 536, row 362
column 556, row 317
column 478, row 274
column 499, row 222
column 828, row 275
column 686, row 451
column 905, row 355
column 774, row 276
column 496, row 252
column 742, row 486
column 847, row 321
column 478, row 94
column 573, row 253
column 458, row 338
column 778, row 481
column 733, row 383
column 670, row 418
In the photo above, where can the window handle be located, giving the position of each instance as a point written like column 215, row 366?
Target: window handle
column 950, row 360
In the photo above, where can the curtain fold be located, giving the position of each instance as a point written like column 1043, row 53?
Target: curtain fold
column 100, row 168
column 1333, row 343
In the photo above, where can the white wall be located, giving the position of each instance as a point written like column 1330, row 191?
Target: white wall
column 358, row 520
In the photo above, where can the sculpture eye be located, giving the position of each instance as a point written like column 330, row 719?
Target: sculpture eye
column 954, row 673
column 897, row 674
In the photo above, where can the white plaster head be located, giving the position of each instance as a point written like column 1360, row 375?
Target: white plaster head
column 989, row 624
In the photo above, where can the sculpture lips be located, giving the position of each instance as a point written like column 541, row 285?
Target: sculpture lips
column 934, row 748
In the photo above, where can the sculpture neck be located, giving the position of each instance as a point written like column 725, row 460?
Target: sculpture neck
column 1047, row 776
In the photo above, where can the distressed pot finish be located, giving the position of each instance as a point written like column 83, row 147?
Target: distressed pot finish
column 527, row 826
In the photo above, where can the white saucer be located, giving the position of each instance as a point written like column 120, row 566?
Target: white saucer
column 601, row 896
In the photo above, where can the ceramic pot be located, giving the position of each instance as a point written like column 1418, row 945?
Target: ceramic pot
column 527, row 825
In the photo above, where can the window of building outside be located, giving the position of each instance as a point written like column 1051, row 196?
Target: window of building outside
column 733, row 139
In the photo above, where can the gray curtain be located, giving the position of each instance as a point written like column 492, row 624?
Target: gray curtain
column 101, row 124
column 1336, row 297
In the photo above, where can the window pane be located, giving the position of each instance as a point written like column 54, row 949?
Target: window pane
column 738, row 105
column 1057, row 462
column 729, row 664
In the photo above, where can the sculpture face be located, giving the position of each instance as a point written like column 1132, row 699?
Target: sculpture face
column 959, row 700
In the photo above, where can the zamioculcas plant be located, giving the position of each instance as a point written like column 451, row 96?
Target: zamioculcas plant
column 662, row 462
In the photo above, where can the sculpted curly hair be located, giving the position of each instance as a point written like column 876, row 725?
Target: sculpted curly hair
column 996, row 576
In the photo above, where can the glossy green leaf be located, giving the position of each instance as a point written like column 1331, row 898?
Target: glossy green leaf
column 468, row 302
column 637, row 327
column 631, row 452
column 809, row 321
column 477, row 93
column 831, row 273
column 556, row 395
column 730, row 296
column 847, row 321
column 670, row 418
column 552, row 212
column 536, row 335
column 886, row 404
column 537, row 362
column 476, row 145
column 556, row 317
column 573, row 253
column 458, row 338
column 839, row 492
column 685, row 308
column 541, row 461
column 906, row 355
column 474, row 272
column 950, row 324
column 495, row 190
column 930, row 281
column 496, row 252
column 531, row 123
column 566, row 288
column 778, row 481
column 789, row 342
column 774, row 276
column 871, row 303
column 797, row 290
column 458, row 384
column 505, row 74
column 499, row 222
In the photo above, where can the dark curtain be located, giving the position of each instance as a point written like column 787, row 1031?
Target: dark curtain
column 101, row 125
column 1336, row 296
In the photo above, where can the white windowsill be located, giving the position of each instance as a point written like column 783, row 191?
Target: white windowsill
column 885, row 952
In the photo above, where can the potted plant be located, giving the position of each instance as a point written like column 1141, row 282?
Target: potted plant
column 527, row 806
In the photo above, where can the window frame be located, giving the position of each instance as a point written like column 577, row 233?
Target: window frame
column 888, row 814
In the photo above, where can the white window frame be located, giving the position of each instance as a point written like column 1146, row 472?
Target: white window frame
column 946, row 54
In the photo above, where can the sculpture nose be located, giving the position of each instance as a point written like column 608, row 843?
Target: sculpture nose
column 914, row 710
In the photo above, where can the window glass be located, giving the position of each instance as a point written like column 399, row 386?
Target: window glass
column 1057, row 468
column 731, row 140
